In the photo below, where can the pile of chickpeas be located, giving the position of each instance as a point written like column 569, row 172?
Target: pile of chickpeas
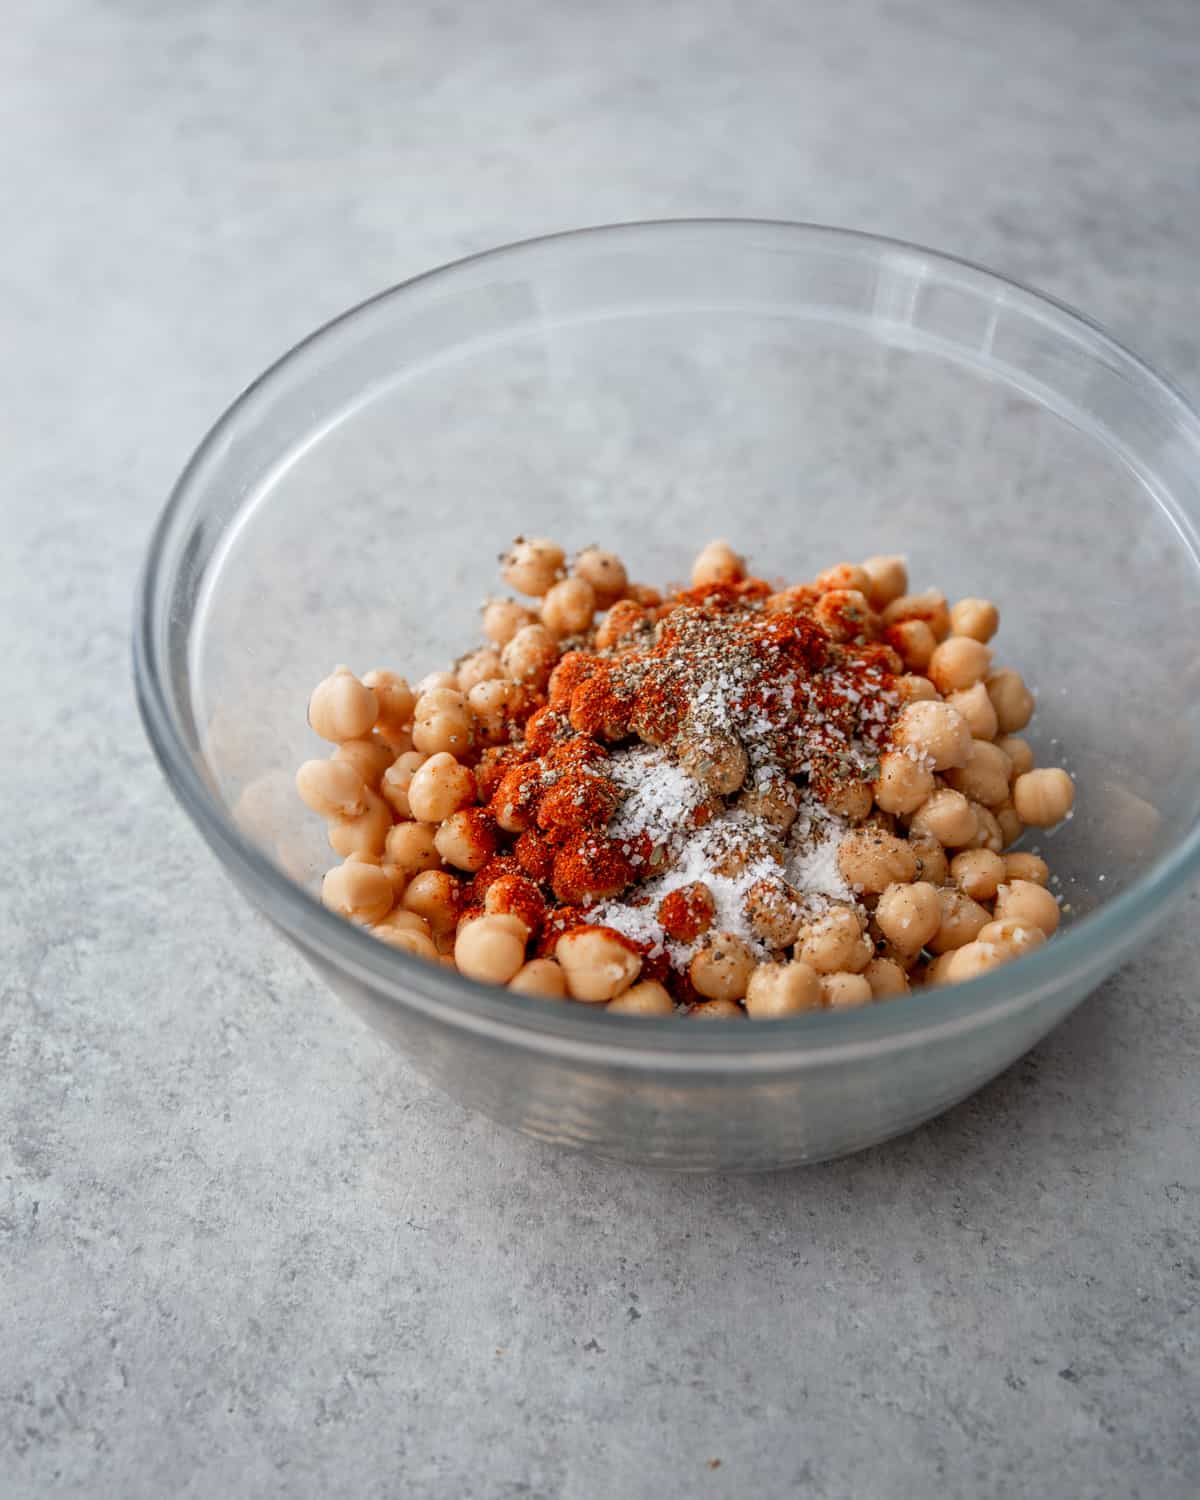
column 936, row 899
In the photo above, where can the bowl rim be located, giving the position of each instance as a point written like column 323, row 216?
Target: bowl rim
column 575, row 1031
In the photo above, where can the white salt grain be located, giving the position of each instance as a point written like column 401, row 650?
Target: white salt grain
column 659, row 795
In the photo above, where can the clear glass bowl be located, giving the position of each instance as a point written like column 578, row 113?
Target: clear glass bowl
column 813, row 394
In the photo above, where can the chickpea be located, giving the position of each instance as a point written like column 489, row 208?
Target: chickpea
column 871, row 860
column 841, row 576
column 909, row 915
column 771, row 912
column 845, row 991
column 399, row 920
column 797, row 599
column 510, row 919
column 717, row 1010
column 341, row 707
column 887, row 580
column 988, row 834
column 493, row 704
column 440, row 787
column 530, row 656
column 435, row 896
column 776, row 801
column 935, row 730
column 984, row 778
column 974, row 959
column 845, row 615
column 569, row 606
column 947, row 817
column 332, row 788
column 914, row 688
column 370, row 757
column 358, row 891
column 977, row 709
column 1014, row 936
column 717, row 761
column 741, row 854
column 961, row 920
column 436, row 682
column 903, row 783
column 929, row 606
column 533, row 565
column 480, row 666
column 722, row 968
column 394, row 873
column 442, row 721
column 1011, row 699
column 1043, row 797
column 621, row 620
column 1030, row 904
column 977, row 618
column 513, row 803
column 1019, row 752
column 977, row 872
column 364, row 834
column 502, row 618
column 395, row 699
column 597, row 963
column 416, row 943
column 516, row 896
column 834, row 940
column 411, row 849
column 398, row 778
column 914, row 969
column 886, row 978
column 776, row 990
column 717, row 563
column 489, row 950
column 958, row 663
column 399, row 742
column 937, row 972
column 605, row 572
column 1011, row 827
column 913, row 642
column 932, row 864
column 687, row 912
column 542, row 977
column 1023, row 866
column 646, row 595
column 646, row 998
column 466, row 839
column 851, row 800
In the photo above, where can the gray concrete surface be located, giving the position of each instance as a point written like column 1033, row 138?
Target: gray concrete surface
column 243, row 1250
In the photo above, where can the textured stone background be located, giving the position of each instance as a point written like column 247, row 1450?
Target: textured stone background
column 243, row 1251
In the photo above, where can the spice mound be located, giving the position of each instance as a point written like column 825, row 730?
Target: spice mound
column 730, row 799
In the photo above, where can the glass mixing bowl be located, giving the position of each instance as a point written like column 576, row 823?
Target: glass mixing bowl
column 810, row 393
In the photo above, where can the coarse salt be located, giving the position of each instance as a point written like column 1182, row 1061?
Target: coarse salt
column 810, row 867
column 659, row 795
